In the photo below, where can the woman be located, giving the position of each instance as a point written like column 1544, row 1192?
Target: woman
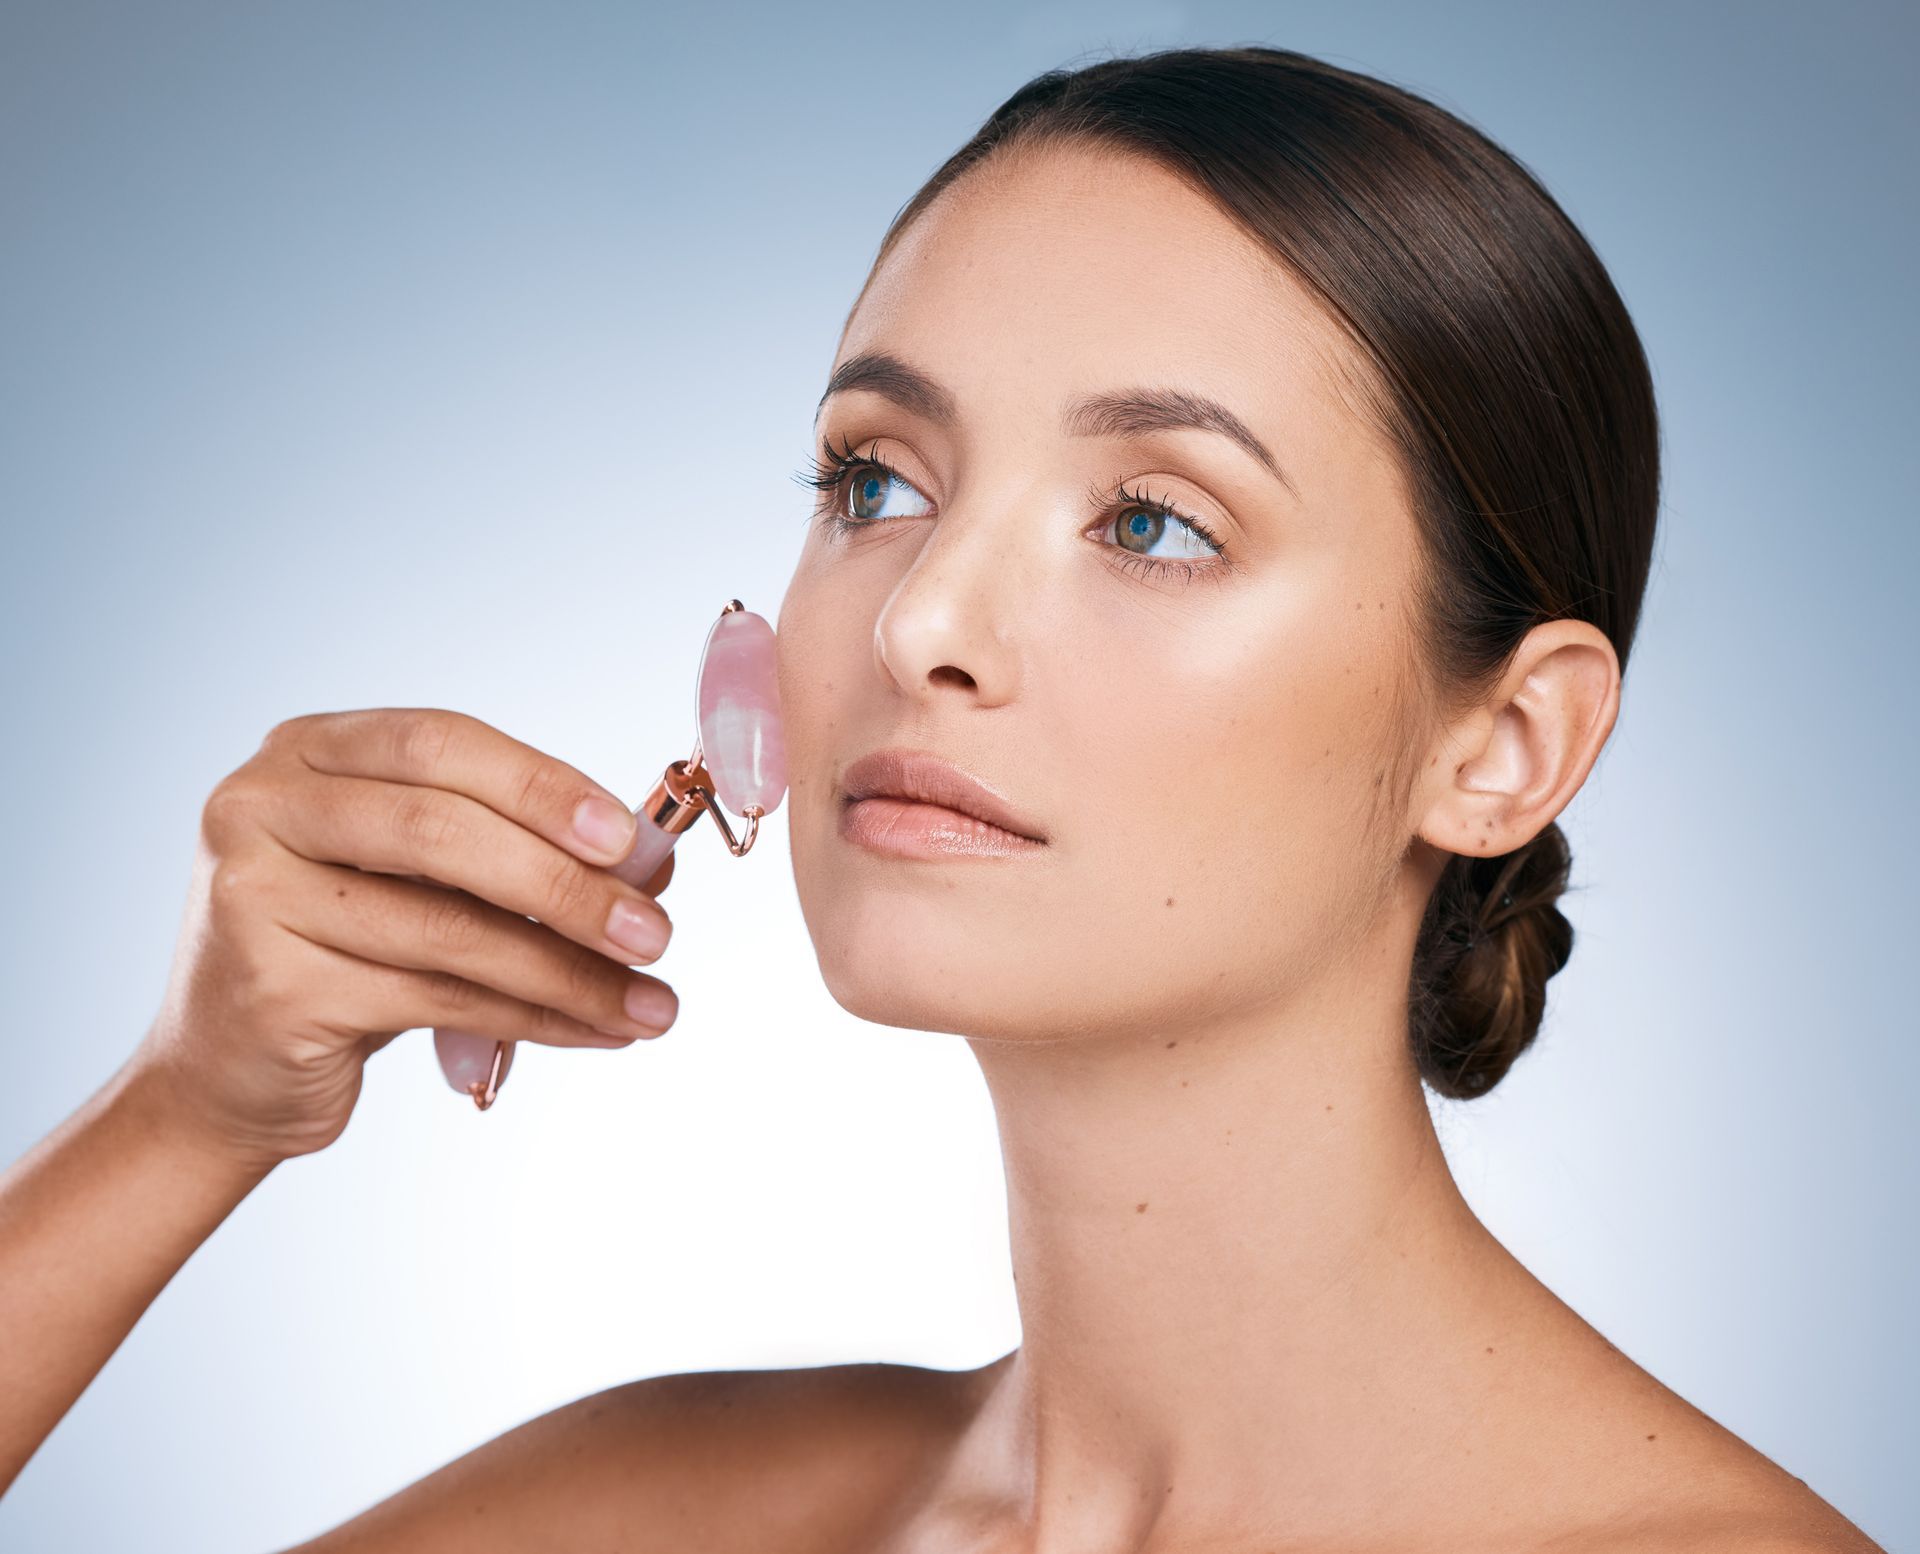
column 1236, row 487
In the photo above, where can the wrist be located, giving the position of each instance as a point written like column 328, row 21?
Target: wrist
column 146, row 1097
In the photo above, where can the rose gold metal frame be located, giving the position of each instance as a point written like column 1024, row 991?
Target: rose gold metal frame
column 683, row 794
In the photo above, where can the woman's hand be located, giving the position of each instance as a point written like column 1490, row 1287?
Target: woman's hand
column 366, row 873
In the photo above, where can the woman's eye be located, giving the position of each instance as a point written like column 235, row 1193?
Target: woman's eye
column 868, row 490
column 1152, row 536
column 1141, row 528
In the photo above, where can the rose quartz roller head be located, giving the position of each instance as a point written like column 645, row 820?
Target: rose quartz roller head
column 739, row 759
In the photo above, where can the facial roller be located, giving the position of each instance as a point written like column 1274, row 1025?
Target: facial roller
column 739, row 760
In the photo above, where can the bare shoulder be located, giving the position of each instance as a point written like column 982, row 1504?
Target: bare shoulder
column 1787, row 1527
column 710, row 1460
column 1701, row 1489
column 1614, row 1461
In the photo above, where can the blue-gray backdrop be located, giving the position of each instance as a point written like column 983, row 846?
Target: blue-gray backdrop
column 456, row 354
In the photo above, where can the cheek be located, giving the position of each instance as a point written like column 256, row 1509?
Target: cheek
column 1209, row 773
column 824, row 640
column 1233, row 790
column 813, row 677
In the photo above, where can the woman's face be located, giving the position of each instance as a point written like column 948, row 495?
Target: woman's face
column 1208, row 742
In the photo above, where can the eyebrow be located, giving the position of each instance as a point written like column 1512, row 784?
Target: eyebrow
column 1126, row 413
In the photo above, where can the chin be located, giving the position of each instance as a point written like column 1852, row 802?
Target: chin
column 934, row 963
column 883, row 961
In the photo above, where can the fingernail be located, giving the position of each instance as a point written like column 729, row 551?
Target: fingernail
column 651, row 1004
column 603, row 825
column 637, row 931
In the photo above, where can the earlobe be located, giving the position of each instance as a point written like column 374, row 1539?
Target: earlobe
column 1502, row 773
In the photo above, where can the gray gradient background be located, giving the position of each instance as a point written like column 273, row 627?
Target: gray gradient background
column 459, row 355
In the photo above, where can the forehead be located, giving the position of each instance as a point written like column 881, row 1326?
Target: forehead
column 1046, row 273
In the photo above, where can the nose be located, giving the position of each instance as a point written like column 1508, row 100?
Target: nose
column 954, row 620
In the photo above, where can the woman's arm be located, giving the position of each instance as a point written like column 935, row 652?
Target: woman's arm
column 365, row 873
column 94, row 1220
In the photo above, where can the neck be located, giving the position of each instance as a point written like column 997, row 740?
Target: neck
column 1240, row 1259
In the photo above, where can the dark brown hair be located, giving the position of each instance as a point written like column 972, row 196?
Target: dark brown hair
column 1506, row 372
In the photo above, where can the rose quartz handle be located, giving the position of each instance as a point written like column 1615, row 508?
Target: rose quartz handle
column 466, row 1057
column 650, row 848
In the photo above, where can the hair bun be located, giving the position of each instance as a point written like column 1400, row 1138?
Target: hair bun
column 1491, row 939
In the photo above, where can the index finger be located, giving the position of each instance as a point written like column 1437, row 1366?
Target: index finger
column 433, row 747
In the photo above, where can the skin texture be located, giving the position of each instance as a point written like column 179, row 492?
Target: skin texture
column 1253, row 1301
column 1256, row 1312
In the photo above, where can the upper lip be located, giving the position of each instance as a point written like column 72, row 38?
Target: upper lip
column 924, row 778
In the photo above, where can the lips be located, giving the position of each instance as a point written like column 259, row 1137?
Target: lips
column 920, row 777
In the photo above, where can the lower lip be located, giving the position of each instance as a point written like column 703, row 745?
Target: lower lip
column 901, row 828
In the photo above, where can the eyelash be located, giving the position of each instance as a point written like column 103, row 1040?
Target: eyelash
column 829, row 473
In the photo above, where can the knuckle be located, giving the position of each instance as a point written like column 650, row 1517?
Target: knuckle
column 239, row 886
column 288, row 731
column 542, row 790
column 586, row 980
column 452, row 992
column 247, row 981
column 420, row 736
column 235, row 806
column 426, row 824
column 568, row 889
column 274, row 997
column 551, row 1022
column 226, row 810
column 454, row 924
column 232, row 884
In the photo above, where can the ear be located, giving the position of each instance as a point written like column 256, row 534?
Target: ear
column 1500, row 773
